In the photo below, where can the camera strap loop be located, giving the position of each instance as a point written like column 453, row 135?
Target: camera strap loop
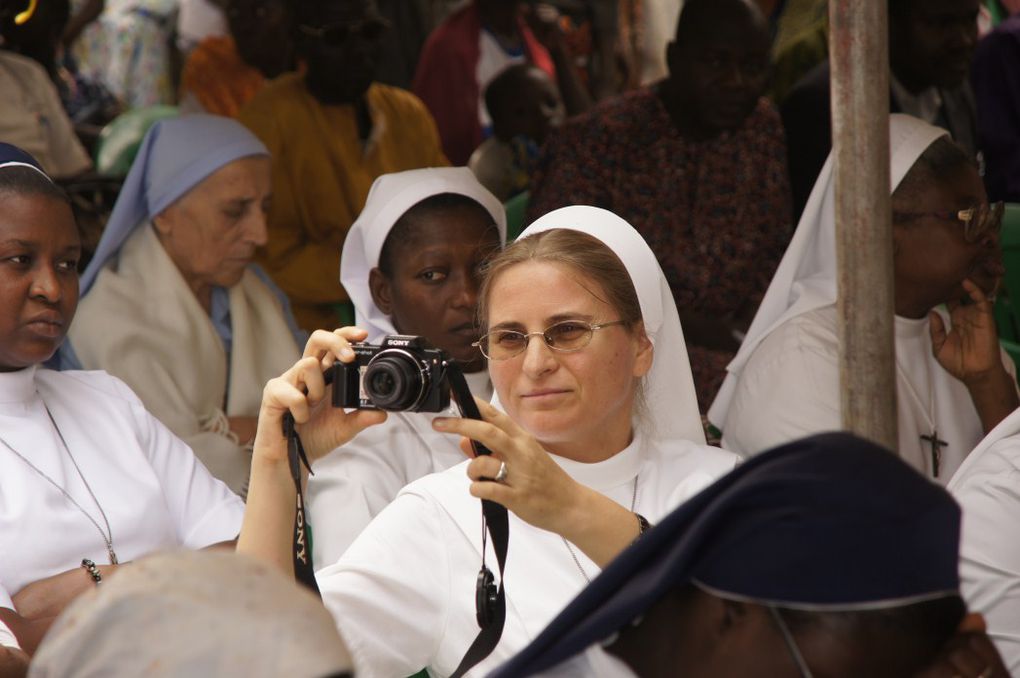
column 304, row 571
column 491, row 613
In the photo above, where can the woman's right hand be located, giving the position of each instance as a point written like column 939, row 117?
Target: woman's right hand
column 302, row 391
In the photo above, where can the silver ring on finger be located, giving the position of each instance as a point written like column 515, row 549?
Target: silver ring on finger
column 502, row 473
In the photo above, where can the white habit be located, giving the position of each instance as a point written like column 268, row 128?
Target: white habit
column 784, row 382
column 987, row 487
column 789, row 388
column 403, row 593
column 154, row 492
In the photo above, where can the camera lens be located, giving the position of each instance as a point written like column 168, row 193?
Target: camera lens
column 393, row 381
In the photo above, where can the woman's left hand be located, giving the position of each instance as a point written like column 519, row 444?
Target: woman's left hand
column 535, row 488
column 969, row 350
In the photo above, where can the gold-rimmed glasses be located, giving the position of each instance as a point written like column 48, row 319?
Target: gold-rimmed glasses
column 978, row 220
column 565, row 336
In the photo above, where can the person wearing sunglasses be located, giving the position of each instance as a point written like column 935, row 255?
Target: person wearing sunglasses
column 594, row 429
column 954, row 383
column 332, row 129
column 825, row 557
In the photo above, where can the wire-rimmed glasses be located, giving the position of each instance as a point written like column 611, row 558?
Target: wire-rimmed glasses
column 564, row 336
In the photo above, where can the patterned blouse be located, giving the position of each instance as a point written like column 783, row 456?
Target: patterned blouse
column 716, row 213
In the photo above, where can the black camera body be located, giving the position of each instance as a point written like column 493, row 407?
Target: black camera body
column 402, row 374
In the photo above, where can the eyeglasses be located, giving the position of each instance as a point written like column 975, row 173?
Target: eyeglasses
column 565, row 337
column 337, row 34
column 978, row 221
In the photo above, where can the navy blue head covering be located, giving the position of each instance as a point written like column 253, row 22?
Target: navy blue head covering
column 827, row 523
column 12, row 156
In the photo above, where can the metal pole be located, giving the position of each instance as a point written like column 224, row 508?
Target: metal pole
column 859, row 58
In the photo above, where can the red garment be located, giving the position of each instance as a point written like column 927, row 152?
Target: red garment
column 446, row 79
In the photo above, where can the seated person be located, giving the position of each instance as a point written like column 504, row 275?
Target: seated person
column 697, row 164
column 86, row 102
column 997, row 91
column 587, row 357
column 824, row 557
column 88, row 478
column 988, row 492
column 954, row 383
column 411, row 264
column 464, row 54
column 331, row 130
column 224, row 72
column 524, row 104
column 931, row 43
column 171, row 303
column 31, row 114
column 127, row 46
column 195, row 614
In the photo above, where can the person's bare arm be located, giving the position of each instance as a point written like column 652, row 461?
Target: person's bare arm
column 29, row 633
column 48, row 597
column 13, row 662
column 969, row 350
column 267, row 529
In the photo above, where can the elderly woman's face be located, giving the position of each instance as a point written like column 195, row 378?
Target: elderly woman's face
column 576, row 404
column 211, row 233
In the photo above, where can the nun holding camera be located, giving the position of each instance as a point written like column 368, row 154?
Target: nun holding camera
column 594, row 433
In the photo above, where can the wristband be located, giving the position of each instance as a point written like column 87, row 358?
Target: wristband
column 93, row 571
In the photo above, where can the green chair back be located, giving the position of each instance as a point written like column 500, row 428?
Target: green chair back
column 516, row 208
column 119, row 141
column 1007, row 304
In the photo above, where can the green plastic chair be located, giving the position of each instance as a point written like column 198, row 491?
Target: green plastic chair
column 119, row 141
column 1007, row 304
column 516, row 208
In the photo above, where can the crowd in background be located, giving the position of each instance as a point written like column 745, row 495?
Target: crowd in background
column 224, row 183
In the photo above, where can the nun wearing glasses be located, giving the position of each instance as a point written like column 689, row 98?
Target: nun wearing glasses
column 595, row 435
column 954, row 382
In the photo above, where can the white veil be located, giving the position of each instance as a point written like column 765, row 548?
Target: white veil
column 806, row 277
column 669, row 386
column 390, row 197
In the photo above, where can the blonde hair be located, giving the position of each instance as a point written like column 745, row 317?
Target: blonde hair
column 585, row 254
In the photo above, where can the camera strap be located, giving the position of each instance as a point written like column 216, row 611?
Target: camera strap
column 490, row 605
column 490, row 601
column 304, row 571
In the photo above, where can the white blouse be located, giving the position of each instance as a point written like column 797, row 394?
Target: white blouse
column 403, row 593
column 155, row 494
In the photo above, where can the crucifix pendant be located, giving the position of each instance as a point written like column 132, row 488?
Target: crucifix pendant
column 936, row 450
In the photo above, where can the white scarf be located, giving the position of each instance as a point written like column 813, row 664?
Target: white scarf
column 142, row 323
column 806, row 278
